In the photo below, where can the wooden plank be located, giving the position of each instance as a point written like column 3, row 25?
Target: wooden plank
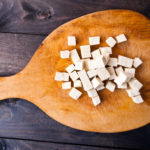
column 41, row 17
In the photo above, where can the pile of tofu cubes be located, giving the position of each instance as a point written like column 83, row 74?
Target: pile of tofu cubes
column 97, row 70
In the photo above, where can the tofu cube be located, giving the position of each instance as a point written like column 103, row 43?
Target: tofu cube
column 71, row 41
column 66, row 85
column 79, row 65
column 96, row 82
column 99, row 88
column 137, row 62
column 125, row 61
column 70, row 68
column 77, row 83
column 132, row 92
column 92, row 73
column 124, row 77
column 110, row 86
column 105, row 50
column 111, row 41
column 61, row 76
column 135, row 84
column 96, row 100
column 118, row 81
column 118, row 70
column 130, row 71
column 106, row 58
column 111, row 70
column 112, row 62
column 123, row 86
column 73, row 75
column 96, row 54
column 92, row 93
column 74, row 55
column 74, row 93
column 85, row 63
column 121, row 38
column 92, row 64
column 138, row 99
column 95, row 40
column 100, row 62
column 85, row 51
column 103, row 73
column 64, row 54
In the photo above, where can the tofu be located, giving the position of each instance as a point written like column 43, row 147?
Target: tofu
column 123, row 86
column 92, row 93
column 118, row 81
column 111, row 70
column 132, row 92
column 66, row 85
column 137, row 62
column 111, row 41
column 95, row 40
column 85, row 80
column 85, row 63
column 121, row 38
column 92, row 64
column 138, row 99
column 96, row 82
column 85, row 51
column 118, row 70
column 74, row 56
column 135, row 84
column 61, row 76
column 70, row 68
column 100, row 62
column 77, row 83
column 105, row 50
column 103, row 73
column 75, row 94
column 96, row 100
column 110, row 86
column 100, row 88
column 130, row 71
column 79, row 65
column 64, row 54
column 71, row 41
column 112, row 62
column 125, row 61
column 96, row 54
column 106, row 58
column 92, row 73
column 124, row 77
column 73, row 75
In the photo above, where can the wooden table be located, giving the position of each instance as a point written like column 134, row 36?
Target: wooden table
column 23, row 126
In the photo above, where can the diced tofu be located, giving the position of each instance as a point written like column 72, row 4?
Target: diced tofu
column 70, row 68
column 135, row 84
column 85, row 63
column 66, row 85
column 125, row 77
column 96, row 54
column 96, row 82
column 105, row 50
column 130, row 71
column 111, row 70
column 137, row 62
column 96, row 100
column 103, row 73
column 92, row 73
column 61, row 76
column 125, row 61
column 138, row 99
column 74, row 76
column 79, row 65
column 118, row 70
column 92, row 64
column 106, row 58
column 100, row 62
column 123, row 86
column 110, row 86
column 121, row 38
column 77, row 83
column 112, row 62
column 95, row 40
column 118, row 81
column 100, row 88
column 85, row 80
column 74, row 55
column 111, row 41
column 64, row 54
column 132, row 92
column 85, row 51
column 74, row 93
column 92, row 93
column 71, row 40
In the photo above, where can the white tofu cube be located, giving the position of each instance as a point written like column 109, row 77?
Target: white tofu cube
column 92, row 64
column 96, row 82
column 124, row 77
column 132, row 92
column 112, row 62
column 111, row 70
column 137, row 62
column 70, row 68
column 106, row 58
column 130, row 71
column 105, row 50
column 103, row 73
column 138, row 99
column 79, row 65
column 85, row 63
column 92, row 73
column 64, row 54
column 74, row 76
column 100, row 88
column 123, row 86
column 74, row 93
column 71, row 41
column 118, row 70
column 95, row 40
column 74, row 55
column 85, row 51
column 100, row 62
column 85, row 80
column 96, row 54
column 125, row 61
column 77, row 83
column 135, row 84
column 121, row 38
column 66, row 85
column 118, row 81
column 96, row 100
column 92, row 93
column 110, row 86
column 61, row 76
column 111, row 41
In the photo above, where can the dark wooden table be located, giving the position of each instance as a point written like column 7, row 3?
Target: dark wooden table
column 23, row 126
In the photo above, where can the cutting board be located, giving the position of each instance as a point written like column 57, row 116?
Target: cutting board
column 117, row 112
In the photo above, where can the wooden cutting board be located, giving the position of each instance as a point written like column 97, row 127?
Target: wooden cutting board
column 117, row 112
